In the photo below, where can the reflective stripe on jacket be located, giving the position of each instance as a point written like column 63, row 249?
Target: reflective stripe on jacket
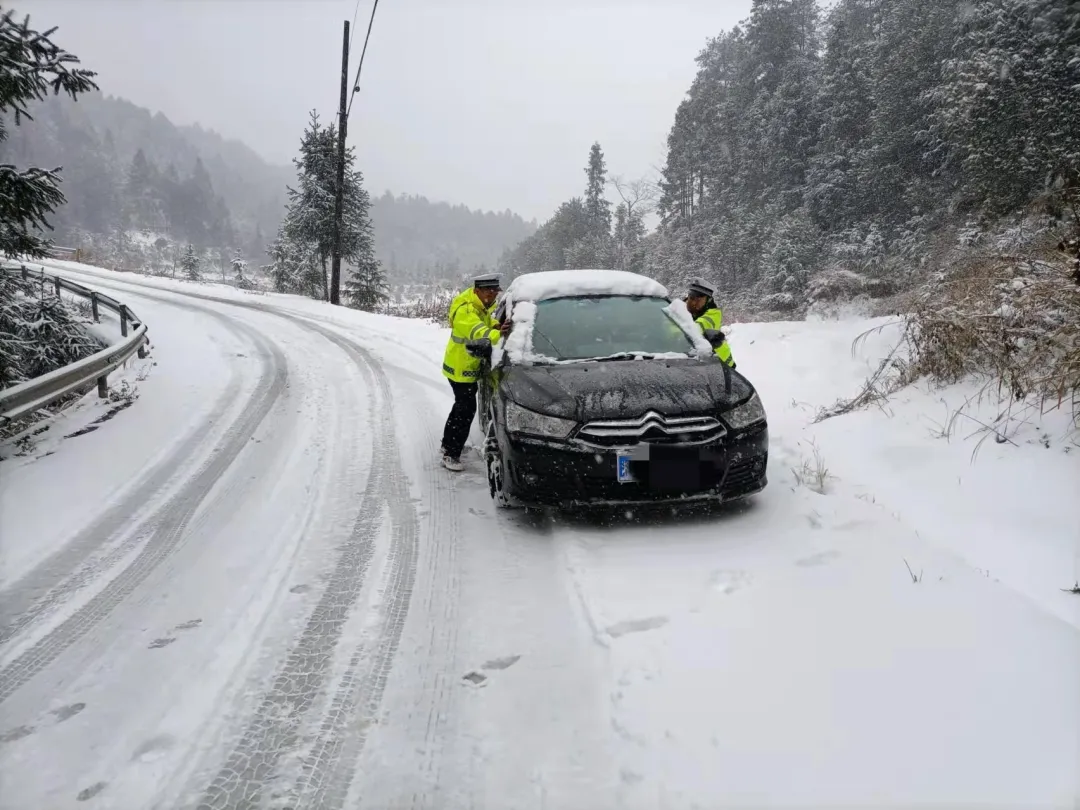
column 469, row 320
column 714, row 319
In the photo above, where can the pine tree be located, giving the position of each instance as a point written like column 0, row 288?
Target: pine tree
column 308, row 230
column 1007, row 105
column 365, row 285
column 294, row 267
column 189, row 264
column 836, row 197
column 143, row 207
column 597, row 208
column 907, row 172
column 365, row 282
column 239, row 270
column 29, row 65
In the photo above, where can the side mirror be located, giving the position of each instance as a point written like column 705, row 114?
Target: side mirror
column 479, row 348
column 715, row 337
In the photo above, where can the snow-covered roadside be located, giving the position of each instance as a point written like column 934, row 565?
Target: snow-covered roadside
column 1002, row 506
column 53, row 485
column 783, row 655
column 777, row 653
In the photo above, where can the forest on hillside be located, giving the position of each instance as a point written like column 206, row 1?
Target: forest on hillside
column 139, row 189
column 843, row 149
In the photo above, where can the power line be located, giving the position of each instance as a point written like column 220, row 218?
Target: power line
column 356, row 10
column 356, row 82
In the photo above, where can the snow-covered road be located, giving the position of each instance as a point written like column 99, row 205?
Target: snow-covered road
column 256, row 587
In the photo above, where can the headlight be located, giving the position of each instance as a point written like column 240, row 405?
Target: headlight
column 747, row 414
column 521, row 420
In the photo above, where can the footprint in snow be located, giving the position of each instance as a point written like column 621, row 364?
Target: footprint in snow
column 67, row 712
column 17, row 733
column 158, row 643
column 821, row 558
column 299, row 589
column 91, row 792
column 154, row 748
column 630, row 777
column 728, row 581
column 189, row 625
column 475, row 678
column 636, row 626
column 502, row 663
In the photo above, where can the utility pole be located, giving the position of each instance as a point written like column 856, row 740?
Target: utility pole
column 339, row 196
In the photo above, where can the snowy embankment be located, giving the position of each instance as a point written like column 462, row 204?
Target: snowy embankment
column 888, row 621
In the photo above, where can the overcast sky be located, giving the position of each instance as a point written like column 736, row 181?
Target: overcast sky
column 490, row 103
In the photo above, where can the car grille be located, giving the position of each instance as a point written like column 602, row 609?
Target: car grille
column 744, row 475
column 654, row 428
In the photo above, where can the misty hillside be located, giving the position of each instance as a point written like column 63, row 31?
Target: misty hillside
column 126, row 168
column 418, row 240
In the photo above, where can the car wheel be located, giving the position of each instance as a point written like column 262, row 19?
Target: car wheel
column 496, row 471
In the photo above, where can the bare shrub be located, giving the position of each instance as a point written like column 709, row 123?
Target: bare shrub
column 1012, row 319
column 812, row 472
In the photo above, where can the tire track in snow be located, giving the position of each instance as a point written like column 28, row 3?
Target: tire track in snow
column 50, row 583
column 274, row 732
column 328, row 770
column 172, row 520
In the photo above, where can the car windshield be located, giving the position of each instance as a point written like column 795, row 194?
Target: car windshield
column 605, row 326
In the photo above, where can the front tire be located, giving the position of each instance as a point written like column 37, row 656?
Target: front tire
column 498, row 485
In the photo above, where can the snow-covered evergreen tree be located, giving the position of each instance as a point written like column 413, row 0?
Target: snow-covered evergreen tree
column 365, row 285
column 239, row 270
column 189, row 264
column 38, row 333
column 597, row 207
column 29, row 65
column 1010, row 103
column 308, row 229
column 295, row 267
column 835, row 195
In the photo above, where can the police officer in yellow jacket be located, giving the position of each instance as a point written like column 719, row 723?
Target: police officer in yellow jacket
column 471, row 317
column 700, row 301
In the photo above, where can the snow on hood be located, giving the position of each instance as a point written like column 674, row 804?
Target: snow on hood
column 626, row 389
column 566, row 283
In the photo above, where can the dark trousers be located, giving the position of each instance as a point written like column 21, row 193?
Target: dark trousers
column 460, row 419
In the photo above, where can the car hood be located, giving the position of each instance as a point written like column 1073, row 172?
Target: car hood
column 624, row 388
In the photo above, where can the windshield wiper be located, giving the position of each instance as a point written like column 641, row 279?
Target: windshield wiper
column 626, row 356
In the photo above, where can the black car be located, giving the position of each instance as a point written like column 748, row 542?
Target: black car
column 606, row 393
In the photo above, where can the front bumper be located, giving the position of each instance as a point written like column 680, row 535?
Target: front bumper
column 549, row 473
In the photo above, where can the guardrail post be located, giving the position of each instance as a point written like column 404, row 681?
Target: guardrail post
column 56, row 283
column 103, row 387
column 25, row 273
column 123, row 319
column 94, row 306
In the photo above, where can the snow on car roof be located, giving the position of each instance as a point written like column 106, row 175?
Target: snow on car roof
column 566, row 283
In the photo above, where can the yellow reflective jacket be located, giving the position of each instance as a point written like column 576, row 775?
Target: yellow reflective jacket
column 469, row 320
column 714, row 319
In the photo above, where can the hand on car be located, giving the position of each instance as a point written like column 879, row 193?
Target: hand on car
column 504, row 328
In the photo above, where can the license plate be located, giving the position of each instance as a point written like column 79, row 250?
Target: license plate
column 625, row 475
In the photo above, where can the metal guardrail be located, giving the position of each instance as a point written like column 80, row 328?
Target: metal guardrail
column 27, row 397
column 58, row 252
